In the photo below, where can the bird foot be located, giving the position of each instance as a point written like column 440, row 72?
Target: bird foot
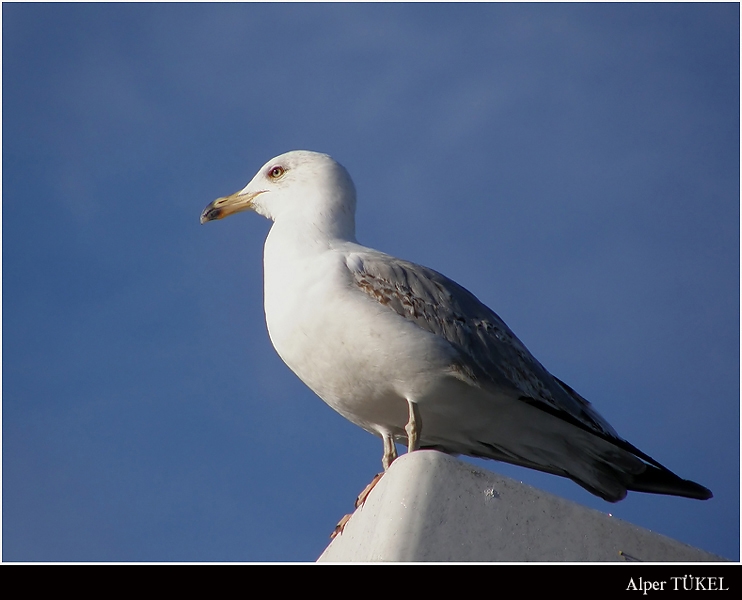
column 367, row 490
column 340, row 526
column 359, row 502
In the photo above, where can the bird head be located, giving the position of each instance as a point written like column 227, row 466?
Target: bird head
column 303, row 184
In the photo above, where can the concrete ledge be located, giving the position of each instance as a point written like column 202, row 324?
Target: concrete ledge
column 433, row 507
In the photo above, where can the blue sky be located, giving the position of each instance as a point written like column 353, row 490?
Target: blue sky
column 575, row 166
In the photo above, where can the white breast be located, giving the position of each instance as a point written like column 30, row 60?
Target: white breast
column 357, row 355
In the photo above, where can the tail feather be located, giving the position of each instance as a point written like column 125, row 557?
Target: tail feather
column 603, row 469
column 663, row 481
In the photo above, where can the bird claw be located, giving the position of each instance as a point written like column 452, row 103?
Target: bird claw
column 367, row 490
column 359, row 502
column 340, row 526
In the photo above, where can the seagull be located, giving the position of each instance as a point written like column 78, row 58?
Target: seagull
column 411, row 356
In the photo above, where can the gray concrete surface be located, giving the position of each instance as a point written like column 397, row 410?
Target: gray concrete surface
column 433, row 507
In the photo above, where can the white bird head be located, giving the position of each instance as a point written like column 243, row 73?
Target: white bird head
column 301, row 185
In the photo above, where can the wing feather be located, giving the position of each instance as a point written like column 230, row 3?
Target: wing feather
column 491, row 353
column 492, row 357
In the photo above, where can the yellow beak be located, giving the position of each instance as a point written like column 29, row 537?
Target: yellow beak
column 228, row 205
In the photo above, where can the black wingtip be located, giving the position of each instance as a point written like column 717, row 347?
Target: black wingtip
column 663, row 481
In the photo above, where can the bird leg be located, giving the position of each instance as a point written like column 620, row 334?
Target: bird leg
column 414, row 427
column 390, row 454
column 390, row 451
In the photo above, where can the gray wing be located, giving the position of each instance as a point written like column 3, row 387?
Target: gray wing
column 492, row 357
column 490, row 352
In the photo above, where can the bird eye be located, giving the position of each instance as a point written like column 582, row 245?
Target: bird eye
column 276, row 172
